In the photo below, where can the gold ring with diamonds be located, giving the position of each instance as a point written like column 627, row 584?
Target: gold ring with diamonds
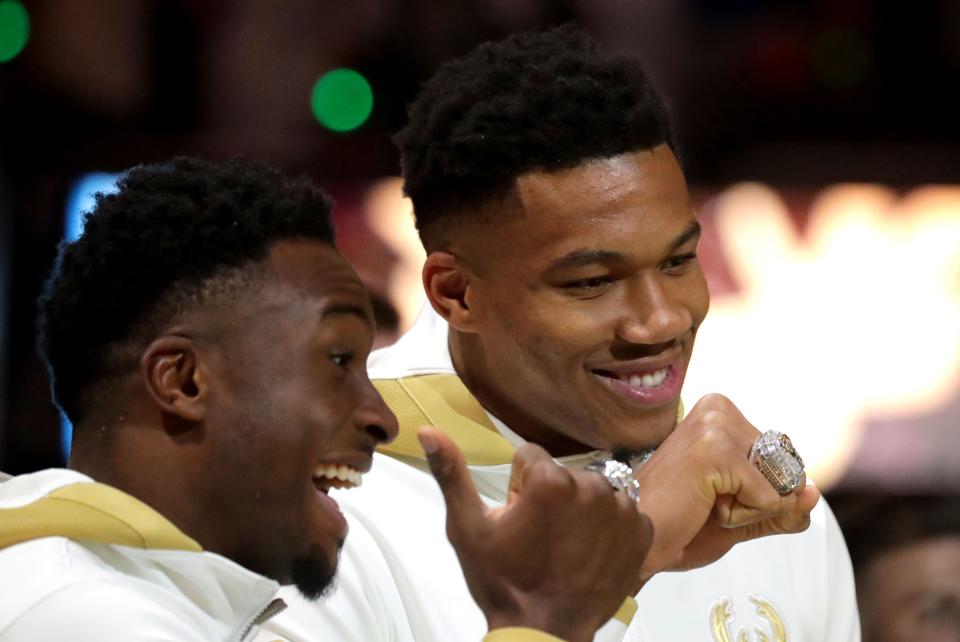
column 619, row 475
column 773, row 455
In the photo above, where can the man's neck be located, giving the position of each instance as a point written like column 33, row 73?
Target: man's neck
column 128, row 460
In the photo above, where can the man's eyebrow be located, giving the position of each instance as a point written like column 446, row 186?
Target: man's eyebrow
column 346, row 308
column 580, row 258
column 693, row 231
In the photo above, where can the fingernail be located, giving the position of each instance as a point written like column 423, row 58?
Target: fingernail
column 429, row 443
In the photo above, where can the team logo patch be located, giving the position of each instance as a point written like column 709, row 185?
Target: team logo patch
column 722, row 612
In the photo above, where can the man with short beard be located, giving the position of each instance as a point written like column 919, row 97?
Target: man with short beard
column 209, row 343
column 564, row 298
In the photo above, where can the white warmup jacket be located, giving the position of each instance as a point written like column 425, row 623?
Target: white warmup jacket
column 400, row 580
column 85, row 562
column 82, row 561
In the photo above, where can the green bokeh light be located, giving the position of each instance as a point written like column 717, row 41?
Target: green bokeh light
column 342, row 100
column 14, row 29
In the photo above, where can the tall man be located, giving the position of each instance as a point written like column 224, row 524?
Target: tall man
column 565, row 296
column 209, row 344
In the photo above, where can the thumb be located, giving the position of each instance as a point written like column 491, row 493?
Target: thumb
column 524, row 461
column 465, row 510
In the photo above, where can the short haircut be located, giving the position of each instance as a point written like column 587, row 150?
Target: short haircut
column 535, row 101
column 171, row 237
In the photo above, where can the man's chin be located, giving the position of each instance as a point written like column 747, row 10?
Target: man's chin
column 313, row 574
column 644, row 433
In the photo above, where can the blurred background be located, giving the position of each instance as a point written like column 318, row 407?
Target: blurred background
column 820, row 140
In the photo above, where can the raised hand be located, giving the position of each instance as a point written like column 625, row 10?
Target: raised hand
column 704, row 496
column 561, row 556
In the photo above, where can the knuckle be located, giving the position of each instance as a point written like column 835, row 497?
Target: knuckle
column 718, row 419
column 442, row 469
column 445, row 472
column 530, row 451
column 716, row 401
column 714, row 438
column 547, row 478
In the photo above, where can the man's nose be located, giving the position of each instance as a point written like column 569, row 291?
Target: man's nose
column 653, row 313
column 374, row 417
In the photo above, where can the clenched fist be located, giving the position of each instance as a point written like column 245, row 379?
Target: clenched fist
column 704, row 496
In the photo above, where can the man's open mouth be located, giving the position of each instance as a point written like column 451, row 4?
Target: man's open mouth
column 327, row 476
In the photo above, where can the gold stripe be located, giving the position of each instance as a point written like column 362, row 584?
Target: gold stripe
column 518, row 634
column 626, row 611
column 441, row 400
column 92, row 512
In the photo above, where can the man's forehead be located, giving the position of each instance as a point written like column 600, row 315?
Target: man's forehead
column 311, row 263
column 319, row 270
column 636, row 196
column 603, row 181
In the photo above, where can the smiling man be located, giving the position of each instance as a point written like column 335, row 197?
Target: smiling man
column 565, row 296
column 544, row 293
column 209, row 345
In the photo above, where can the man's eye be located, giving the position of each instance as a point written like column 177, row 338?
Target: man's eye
column 341, row 358
column 678, row 262
column 589, row 284
column 588, row 288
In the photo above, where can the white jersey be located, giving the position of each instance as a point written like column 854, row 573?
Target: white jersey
column 400, row 579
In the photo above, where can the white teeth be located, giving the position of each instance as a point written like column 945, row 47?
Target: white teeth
column 344, row 476
column 649, row 380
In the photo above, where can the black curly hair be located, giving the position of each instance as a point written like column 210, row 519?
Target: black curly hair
column 173, row 236
column 545, row 100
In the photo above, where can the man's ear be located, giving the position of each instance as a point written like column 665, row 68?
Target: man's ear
column 169, row 370
column 447, row 284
